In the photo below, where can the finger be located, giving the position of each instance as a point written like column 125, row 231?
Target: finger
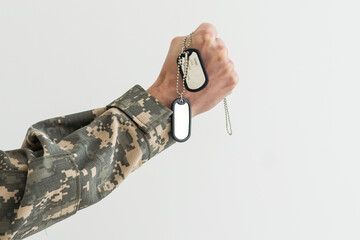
column 205, row 34
column 220, row 45
column 206, row 27
column 219, row 42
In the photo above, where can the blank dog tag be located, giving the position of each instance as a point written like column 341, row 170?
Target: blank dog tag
column 197, row 77
column 181, row 119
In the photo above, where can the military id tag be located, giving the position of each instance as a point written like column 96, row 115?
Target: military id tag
column 181, row 119
column 196, row 77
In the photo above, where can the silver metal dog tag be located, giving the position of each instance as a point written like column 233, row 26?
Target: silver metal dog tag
column 181, row 119
column 197, row 77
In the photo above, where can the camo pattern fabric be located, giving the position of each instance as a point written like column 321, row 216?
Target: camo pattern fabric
column 70, row 162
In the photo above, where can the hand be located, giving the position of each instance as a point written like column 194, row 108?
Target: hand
column 220, row 70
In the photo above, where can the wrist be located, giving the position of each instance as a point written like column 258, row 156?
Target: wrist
column 166, row 94
column 160, row 95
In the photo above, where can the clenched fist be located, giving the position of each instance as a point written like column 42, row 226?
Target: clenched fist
column 220, row 70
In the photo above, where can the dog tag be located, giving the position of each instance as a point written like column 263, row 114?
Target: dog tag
column 181, row 119
column 197, row 77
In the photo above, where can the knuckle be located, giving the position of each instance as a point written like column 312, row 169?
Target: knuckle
column 208, row 36
column 221, row 58
column 231, row 62
column 230, row 66
column 228, row 71
column 223, row 50
column 220, row 47
column 208, row 32
column 220, row 42
column 222, row 55
column 207, row 25
column 234, row 79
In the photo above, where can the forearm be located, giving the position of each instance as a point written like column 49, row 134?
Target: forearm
column 70, row 162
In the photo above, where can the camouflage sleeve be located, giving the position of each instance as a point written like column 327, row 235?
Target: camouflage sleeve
column 70, row 162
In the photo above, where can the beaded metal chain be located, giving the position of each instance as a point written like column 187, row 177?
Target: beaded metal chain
column 186, row 66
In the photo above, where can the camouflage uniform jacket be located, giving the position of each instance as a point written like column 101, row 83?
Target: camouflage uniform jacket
column 70, row 162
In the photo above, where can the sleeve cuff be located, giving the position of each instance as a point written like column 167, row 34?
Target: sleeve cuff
column 144, row 109
column 151, row 116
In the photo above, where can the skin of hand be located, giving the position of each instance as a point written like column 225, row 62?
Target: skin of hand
column 220, row 70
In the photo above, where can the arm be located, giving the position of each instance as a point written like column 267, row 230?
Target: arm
column 70, row 162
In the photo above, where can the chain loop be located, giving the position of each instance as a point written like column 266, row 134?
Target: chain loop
column 227, row 118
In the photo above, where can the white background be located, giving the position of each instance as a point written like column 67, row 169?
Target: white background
column 291, row 168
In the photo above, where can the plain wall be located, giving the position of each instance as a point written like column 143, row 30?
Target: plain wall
column 289, row 171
